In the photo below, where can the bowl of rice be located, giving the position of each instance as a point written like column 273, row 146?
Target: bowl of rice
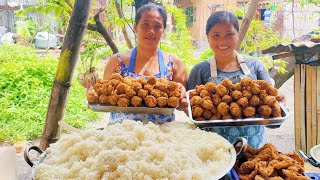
column 133, row 150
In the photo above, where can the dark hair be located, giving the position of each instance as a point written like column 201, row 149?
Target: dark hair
column 222, row 16
column 152, row 6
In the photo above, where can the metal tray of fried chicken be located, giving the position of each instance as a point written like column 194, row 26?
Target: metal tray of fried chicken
column 238, row 122
column 133, row 110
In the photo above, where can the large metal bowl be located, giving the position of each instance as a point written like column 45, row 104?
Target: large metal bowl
column 219, row 175
column 315, row 153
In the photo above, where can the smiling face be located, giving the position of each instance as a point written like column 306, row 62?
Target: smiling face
column 149, row 29
column 223, row 38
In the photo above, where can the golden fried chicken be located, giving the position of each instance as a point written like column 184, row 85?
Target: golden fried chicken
column 269, row 100
column 172, row 86
column 152, row 80
column 262, row 83
column 136, row 86
column 192, row 93
column 216, row 99
column 221, row 90
column 255, row 88
column 128, row 80
column 123, row 101
column 92, row 97
column 156, row 93
column 227, row 83
column 199, row 88
column 214, row 110
column 242, row 102
column 206, row 114
column 249, row 111
column 150, row 101
column 246, row 93
column 136, row 101
column 204, row 93
column 162, row 101
column 176, row 93
column 264, row 110
column 114, row 82
column 130, row 92
column 121, row 88
column 227, row 99
column 207, row 104
column 227, row 116
column 246, row 82
column 142, row 93
column 103, row 99
column 98, row 88
column 272, row 91
column 197, row 111
column 113, row 98
column 163, row 80
column 142, row 81
column 235, row 95
column 116, row 76
column 199, row 118
column 237, row 87
column 235, row 110
column 173, row 102
column 211, row 87
column 223, row 108
column 107, row 89
column 254, row 101
column 161, row 86
column 196, row 101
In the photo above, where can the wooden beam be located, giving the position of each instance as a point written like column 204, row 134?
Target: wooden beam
column 66, row 66
column 247, row 21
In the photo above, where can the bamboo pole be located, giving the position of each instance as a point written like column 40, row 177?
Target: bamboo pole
column 308, row 106
column 247, row 21
column 297, row 124
column 66, row 66
column 318, row 104
column 302, row 107
column 313, row 106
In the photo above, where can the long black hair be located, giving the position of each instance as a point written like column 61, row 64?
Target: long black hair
column 222, row 16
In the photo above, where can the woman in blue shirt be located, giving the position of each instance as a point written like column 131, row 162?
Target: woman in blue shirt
column 222, row 31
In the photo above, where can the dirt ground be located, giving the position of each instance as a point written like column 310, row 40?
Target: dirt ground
column 282, row 138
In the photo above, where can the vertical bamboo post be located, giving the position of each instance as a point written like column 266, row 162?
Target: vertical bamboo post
column 66, row 66
column 313, row 106
column 308, row 97
column 297, row 124
column 302, row 106
column 318, row 104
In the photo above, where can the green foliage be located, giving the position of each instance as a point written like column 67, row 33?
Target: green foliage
column 179, row 42
column 25, row 87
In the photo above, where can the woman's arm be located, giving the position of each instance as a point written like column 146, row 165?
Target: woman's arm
column 111, row 67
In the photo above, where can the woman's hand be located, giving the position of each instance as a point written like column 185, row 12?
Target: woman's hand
column 183, row 106
column 281, row 98
column 89, row 86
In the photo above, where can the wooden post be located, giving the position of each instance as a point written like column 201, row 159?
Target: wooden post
column 308, row 106
column 318, row 104
column 247, row 21
column 297, row 124
column 67, row 63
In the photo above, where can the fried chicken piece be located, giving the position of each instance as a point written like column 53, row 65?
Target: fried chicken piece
column 196, row 101
column 172, row 86
column 206, row 114
column 263, row 94
column 121, row 88
column 199, row 88
column 223, row 108
column 211, row 87
column 272, row 91
column 148, row 87
column 156, row 93
column 227, row 116
column 150, row 101
column 176, row 93
column 254, row 101
column 243, row 102
column 173, row 102
column 92, row 97
column 295, row 156
column 128, row 80
column 197, row 111
column 152, row 80
column 255, row 88
column 107, row 89
column 215, row 117
column 293, row 175
column 262, row 83
column 227, row 99
column 162, row 101
column 263, row 169
column 246, row 93
column 264, row 110
column 100, row 81
column 235, row 110
column 163, row 94
column 248, row 176
column 142, row 93
column 247, row 167
column 275, row 178
column 103, row 99
column 136, row 86
column 204, row 93
column 142, row 81
column 258, row 177
column 216, row 99
column 113, row 98
column 207, row 104
column 114, row 82
column 98, row 88
column 214, row 110
column 249, row 111
column 269, row 100
column 206, row 98
column 116, row 76
column 246, row 82
column 123, row 101
column 227, row 83
column 221, row 90
column 136, row 101
column 130, row 92
column 199, row 118
column 235, row 95
column 237, row 87
column 192, row 93
column 161, row 86
column 163, row 80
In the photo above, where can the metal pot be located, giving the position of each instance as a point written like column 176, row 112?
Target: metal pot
column 222, row 174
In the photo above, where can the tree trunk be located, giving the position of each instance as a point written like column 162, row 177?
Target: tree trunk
column 124, row 29
column 279, row 78
column 67, row 63
column 247, row 20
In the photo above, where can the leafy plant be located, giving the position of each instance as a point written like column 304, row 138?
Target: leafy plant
column 25, row 86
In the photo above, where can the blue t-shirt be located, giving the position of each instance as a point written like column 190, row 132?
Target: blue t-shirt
column 255, row 134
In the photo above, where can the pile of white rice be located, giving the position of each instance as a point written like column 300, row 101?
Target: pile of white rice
column 131, row 150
